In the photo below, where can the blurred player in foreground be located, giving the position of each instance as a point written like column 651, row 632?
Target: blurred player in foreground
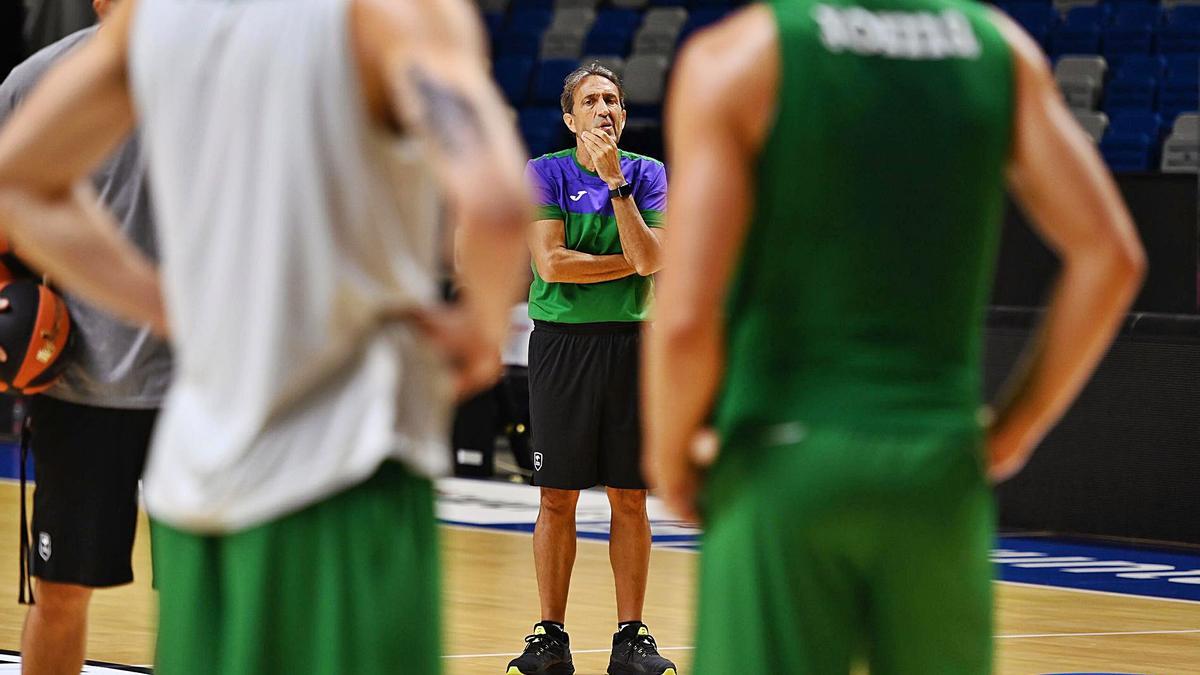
column 838, row 178
column 290, row 148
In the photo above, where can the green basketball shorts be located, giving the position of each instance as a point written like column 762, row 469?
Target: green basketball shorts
column 348, row 585
column 848, row 545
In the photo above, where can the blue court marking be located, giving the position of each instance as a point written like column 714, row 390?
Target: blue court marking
column 1099, row 567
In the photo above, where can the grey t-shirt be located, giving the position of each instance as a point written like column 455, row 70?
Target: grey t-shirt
column 112, row 364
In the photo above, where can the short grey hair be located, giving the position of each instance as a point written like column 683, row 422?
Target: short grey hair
column 577, row 75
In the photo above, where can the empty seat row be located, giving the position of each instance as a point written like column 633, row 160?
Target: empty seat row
column 1126, row 28
column 1169, row 85
column 524, row 81
column 1130, row 141
column 569, row 32
column 501, row 6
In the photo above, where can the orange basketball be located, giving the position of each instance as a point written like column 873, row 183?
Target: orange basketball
column 35, row 331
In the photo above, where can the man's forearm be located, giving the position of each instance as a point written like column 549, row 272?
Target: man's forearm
column 72, row 238
column 638, row 244
column 575, row 267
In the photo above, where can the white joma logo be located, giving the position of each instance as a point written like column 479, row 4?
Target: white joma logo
column 578, row 195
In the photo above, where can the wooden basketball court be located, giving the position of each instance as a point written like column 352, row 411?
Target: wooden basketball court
column 491, row 604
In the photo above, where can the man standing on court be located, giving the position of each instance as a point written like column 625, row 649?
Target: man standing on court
column 288, row 484
column 595, row 243
column 842, row 190
column 91, row 431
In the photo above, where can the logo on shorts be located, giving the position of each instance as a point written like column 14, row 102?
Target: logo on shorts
column 537, row 461
column 44, row 545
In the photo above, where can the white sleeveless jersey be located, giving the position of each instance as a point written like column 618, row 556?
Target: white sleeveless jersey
column 288, row 222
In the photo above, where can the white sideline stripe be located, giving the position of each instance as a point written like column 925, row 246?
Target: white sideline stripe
column 1028, row 636
column 1123, row 632
column 1114, row 594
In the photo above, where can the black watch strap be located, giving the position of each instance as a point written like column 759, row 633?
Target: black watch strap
column 621, row 192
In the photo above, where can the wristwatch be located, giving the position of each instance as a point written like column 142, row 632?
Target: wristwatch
column 621, row 192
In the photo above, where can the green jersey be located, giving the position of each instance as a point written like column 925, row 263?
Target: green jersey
column 566, row 191
column 860, row 294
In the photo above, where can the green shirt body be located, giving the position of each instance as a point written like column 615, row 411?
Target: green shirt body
column 566, row 191
column 861, row 290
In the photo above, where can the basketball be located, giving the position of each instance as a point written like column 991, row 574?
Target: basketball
column 34, row 332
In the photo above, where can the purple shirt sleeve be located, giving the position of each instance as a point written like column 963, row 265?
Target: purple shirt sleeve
column 545, row 193
column 652, row 194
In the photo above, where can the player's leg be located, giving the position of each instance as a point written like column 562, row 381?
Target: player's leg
column 554, row 551
column 87, row 461
column 621, row 471
column 931, row 596
column 780, row 583
column 634, row 649
column 55, row 635
column 348, row 585
column 629, row 551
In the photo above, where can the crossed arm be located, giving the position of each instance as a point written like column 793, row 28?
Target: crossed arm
column 556, row 263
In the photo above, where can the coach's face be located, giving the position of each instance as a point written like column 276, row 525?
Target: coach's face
column 597, row 106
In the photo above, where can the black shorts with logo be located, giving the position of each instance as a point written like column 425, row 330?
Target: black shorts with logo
column 583, row 405
column 87, row 462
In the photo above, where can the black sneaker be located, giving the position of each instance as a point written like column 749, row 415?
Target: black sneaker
column 544, row 655
column 635, row 653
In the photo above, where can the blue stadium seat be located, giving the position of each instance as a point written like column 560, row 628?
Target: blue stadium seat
column 699, row 18
column 1148, row 123
column 543, row 130
column 1181, row 33
column 1134, row 85
column 518, row 5
column 1132, row 141
column 1132, row 93
column 1079, row 33
column 1128, row 152
column 1180, row 92
column 612, row 34
column 1131, row 30
column 1038, row 19
column 512, row 75
column 548, row 81
column 523, row 34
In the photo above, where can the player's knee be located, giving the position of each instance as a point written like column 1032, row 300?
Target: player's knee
column 559, row 503
column 61, row 602
column 627, row 502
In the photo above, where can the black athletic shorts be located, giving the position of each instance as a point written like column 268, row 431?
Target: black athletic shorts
column 87, row 462
column 583, row 405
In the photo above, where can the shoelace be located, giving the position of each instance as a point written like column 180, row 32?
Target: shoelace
column 538, row 645
column 645, row 645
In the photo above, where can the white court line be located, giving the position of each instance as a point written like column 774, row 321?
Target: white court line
column 1029, row 636
column 1094, row 592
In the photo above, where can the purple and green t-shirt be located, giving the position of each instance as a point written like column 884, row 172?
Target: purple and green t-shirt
column 566, row 191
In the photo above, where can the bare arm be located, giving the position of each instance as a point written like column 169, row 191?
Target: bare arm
column 641, row 245
column 730, row 72
column 74, row 119
column 556, row 263
column 428, row 60
column 1063, row 185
